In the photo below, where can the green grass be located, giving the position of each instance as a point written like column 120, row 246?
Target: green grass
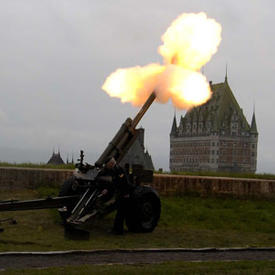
column 37, row 165
column 187, row 221
column 187, row 173
column 223, row 174
column 242, row 267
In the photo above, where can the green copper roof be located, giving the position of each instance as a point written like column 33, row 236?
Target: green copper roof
column 219, row 109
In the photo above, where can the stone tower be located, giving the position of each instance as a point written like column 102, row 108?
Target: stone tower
column 215, row 136
column 56, row 159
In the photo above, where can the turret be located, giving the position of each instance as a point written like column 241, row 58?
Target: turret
column 253, row 127
column 173, row 132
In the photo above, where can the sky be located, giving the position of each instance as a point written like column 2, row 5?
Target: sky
column 56, row 54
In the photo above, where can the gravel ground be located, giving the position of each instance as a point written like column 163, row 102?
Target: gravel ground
column 128, row 256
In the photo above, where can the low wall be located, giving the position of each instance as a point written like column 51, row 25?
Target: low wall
column 19, row 178
column 211, row 186
column 12, row 178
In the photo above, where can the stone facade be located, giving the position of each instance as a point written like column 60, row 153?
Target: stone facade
column 215, row 136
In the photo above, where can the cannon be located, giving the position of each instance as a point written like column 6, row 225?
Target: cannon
column 80, row 199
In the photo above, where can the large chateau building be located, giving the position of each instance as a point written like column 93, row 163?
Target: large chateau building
column 214, row 136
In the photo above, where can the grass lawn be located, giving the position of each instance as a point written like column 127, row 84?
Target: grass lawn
column 197, row 173
column 37, row 165
column 187, row 221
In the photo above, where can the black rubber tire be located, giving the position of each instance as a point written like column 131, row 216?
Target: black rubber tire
column 67, row 190
column 144, row 211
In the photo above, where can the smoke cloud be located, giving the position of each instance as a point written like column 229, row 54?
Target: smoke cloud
column 188, row 44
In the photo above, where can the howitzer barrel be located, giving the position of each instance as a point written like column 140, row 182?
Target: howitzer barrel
column 112, row 149
column 125, row 136
column 143, row 110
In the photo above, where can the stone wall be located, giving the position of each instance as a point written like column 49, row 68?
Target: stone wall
column 12, row 178
column 210, row 186
column 19, row 178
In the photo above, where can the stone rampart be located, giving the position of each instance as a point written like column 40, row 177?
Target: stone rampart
column 12, row 178
column 210, row 186
column 169, row 185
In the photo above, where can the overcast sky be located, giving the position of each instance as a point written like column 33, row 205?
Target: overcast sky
column 55, row 56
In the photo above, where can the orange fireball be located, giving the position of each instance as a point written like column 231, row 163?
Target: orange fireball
column 188, row 44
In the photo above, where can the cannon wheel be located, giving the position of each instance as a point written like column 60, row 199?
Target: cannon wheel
column 144, row 211
column 67, row 189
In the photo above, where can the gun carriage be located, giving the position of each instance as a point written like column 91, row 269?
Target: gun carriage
column 79, row 200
